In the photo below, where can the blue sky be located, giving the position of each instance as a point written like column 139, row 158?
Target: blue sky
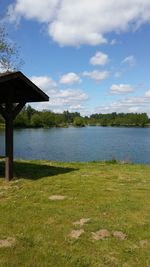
column 88, row 56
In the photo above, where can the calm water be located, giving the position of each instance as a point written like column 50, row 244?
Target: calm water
column 81, row 144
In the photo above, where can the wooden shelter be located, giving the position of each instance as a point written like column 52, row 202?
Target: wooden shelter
column 15, row 91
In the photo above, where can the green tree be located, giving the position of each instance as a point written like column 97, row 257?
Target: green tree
column 48, row 119
column 21, row 120
column 78, row 122
column 29, row 111
column 36, row 120
column 59, row 120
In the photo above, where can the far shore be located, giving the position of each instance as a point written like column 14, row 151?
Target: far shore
column 2, row 126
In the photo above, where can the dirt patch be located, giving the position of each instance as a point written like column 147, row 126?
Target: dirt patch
column 143, row 243
column 101, row 234
column 9, row 242
column 120, row 235
column 76, row 233
column 57, row 197
column 82, row 221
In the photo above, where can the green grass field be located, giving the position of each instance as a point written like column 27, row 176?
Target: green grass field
column 42, row 214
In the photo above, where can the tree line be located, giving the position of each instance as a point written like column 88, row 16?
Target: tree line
column 30, row 117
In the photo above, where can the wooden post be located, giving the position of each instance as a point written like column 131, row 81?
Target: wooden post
column 9, row 113
column 9, row 140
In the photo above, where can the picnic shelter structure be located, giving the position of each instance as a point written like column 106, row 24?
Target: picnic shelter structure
column 15, row 91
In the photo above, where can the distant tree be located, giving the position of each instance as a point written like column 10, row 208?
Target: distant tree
column 29, row 111
column 59, row 120
column 48, row 119
column 69, row 116
column 36, row 120
column 120, row 119
column 78, row 122
column 21, row 120
column 66, row 116
column 30, row 117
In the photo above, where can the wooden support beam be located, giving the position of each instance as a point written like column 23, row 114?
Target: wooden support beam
column 17, row 109
column 2, row 111
column 9, row 113
column 9, row 140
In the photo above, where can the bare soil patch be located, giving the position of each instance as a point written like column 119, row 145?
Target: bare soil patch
column 76, row 233
column 101, row 234
column 143, row 243
column 9, row 242
column 57, row 197
column 120, row 235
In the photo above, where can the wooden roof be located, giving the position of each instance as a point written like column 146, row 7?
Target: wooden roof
column 19, row 88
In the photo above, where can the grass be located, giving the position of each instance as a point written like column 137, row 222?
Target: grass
column 2, row 125
column 114, row 196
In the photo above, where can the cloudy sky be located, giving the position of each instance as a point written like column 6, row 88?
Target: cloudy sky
column 88, row 55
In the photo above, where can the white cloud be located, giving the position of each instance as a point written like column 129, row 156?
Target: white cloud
column 133, row 109
column 96, row 75
column 70, row 78
column 42, row 11
column 60, row 100
column 83, row 21
column 134, row 104
column 147, row 93
column 99, row 59
column 113, row 42
column 64, row 34
column 121, row 89
column 44, row 82
column 130, row 60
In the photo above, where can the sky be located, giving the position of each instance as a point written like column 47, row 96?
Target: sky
column 89, row 56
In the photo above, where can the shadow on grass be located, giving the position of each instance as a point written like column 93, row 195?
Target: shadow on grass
column 34, row 171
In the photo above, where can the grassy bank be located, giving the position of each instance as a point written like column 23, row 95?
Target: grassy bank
column 75, row 215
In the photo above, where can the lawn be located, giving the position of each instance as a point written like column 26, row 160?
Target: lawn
column 75, row 215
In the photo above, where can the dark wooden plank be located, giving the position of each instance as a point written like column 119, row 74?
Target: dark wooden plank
column 9, row 141
column 17, row 109
column 2, row 111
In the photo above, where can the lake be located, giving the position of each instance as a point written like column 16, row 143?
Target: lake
column 81, row 144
